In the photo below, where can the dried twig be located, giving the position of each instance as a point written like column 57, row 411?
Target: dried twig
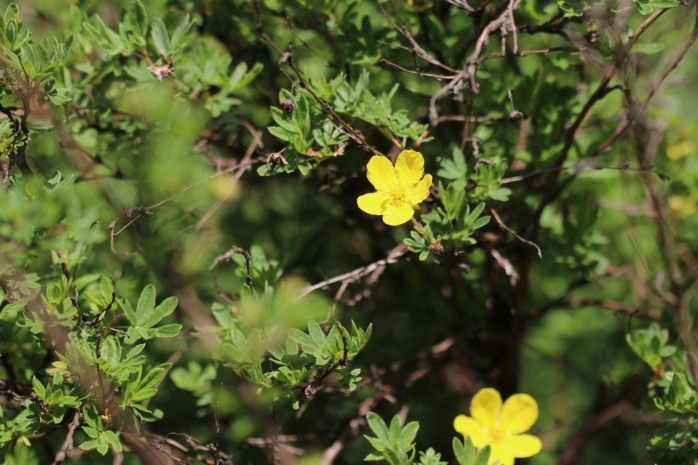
column 229, row 255
column 505, row 23
column 501, row 224
column 242, row 166
column 417, row 368
column 358, row 273
column 68, row 442
column 576, row 443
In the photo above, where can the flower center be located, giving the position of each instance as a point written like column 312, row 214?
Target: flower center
column 397, row 195
column 497, row 434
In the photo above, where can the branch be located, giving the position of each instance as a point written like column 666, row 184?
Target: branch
column 287, row 57
column 241, row 167
column 229, row 255
column 681, row 297
column 601, row 91
column 501, row 224
column 576, row 443
column 358, row 273
column 68, row 443
column 505, row 23
column 421, row 366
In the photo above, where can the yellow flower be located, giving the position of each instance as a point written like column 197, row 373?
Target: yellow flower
column 400, row 188
column 681, row 206
column 501, row 426
column 680, row 150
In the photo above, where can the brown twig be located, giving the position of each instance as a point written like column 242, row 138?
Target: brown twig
column 416, row 369
column 416, row 48
column 645, row 144
column 505, row 23
column 358, row 273
column 68, row 442
column 242, row 166
column 229, row 255
column 287, row 57
column 570, row 454
column 602, row 89
column 501, row 224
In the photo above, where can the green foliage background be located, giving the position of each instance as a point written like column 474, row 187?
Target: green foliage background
column 178, row 176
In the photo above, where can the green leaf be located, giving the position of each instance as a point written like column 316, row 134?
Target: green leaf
column 58, row 414
column 106, row 39
column 142, row 389
column 480, row 222
column 89, row 444
column 11, row 33
column 648, row 6
column 409, row 433
column 483, row 456
column 93, row 420
column 573, row 8
column 475, row 213
column 464, row 451
column 300, row 338
column 454, row 168
column 500, row 194
column 301, row 115
column 648, row 48
column 378, row 444
column 372, row 457
column 106, row 287
column 223, row 315
column 102, row 445
column 136, row 16
column 146, row 333
column 430, row 457
column 12, row 11
column 170, row 330
column 146, row 304
column 280, row 133
column 38, row 388
column 394, row 459
column 91, row 432
column 378, row 426
column 160, row 37
column 453, row 199
column 284, row 121
column 165, row 308
column 334, row 342
column 316, row 334
column 135, row 350
column 680, row 396
column 177, row 35
column 143, row 394
column 241, row 77
column 395, row 430
column 111, row 438
column 111, row 350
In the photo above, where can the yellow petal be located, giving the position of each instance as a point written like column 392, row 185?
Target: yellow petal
column 409, row 167
column 395, row 215
column 519, row 413
column 420, row 192
column 520, row 445
column 499, row 455
column 486, row 406
column 381, row 173
column 469, row 427
column 372, row 203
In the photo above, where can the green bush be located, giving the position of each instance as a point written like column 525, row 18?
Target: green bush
column 313, row 231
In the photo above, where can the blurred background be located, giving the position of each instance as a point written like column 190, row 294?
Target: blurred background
column 609, row 199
